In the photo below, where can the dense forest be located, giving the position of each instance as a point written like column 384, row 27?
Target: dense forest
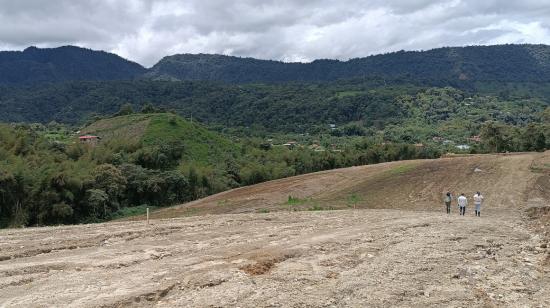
column 370, row 104
column 47, row 177
column 450, row 65
column 37, row 65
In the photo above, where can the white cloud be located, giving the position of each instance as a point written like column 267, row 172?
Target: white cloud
column 289, row 30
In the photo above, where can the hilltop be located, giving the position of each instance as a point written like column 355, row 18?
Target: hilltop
column 197, row 143
column 66, row 63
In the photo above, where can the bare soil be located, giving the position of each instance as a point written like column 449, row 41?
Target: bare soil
column 397, row 249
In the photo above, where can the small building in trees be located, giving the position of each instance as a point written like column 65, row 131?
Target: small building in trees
column 291, row 144
column 475, row 138
column 89, row 139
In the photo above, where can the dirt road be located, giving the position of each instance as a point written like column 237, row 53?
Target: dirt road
column 411, row 257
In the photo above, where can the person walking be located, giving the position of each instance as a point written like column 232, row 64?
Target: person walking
column 448, row 199
column 478, row 199
column 462, row 203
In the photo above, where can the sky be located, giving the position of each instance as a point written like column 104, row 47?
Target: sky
column 289, row 30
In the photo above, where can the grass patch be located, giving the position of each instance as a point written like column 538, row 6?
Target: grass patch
column 402, row 169
column 223, row 202
column 132, row 211
column 200, row 145
column 540, row 168
column 191, row 212
column 129, row 128
column 353, row 199
column 312, row 205
column 294, row 202
column 297, row 201
column 317, row 207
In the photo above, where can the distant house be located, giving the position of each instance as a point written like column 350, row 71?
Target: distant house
column 332, row 126
column 291, row 144
column 419, row 145
column 438, row 139
column 89, row 139
column 463, row 147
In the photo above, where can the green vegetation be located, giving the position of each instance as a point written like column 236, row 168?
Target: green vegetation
column 456, row 66
column 353, row 199
column 317, row 207
column 157, row 159
column 168, row 142
column 296, row 201
column 132, row 211
column 402, row 169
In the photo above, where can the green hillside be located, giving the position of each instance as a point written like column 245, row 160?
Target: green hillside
column 162, row 129
column 153, row 160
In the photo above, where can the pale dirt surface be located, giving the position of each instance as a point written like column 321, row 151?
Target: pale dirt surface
column 410, row 257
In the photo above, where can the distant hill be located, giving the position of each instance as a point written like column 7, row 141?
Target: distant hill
column 454, row 66
column 443, row 66
column 198, row 144
column 300, row 107
column 277, row 106
column 67, row 63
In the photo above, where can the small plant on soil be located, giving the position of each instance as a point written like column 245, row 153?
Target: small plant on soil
column 292, row 202
column 353, row 199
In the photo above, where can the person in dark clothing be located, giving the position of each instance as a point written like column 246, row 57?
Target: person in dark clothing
column 448, row 199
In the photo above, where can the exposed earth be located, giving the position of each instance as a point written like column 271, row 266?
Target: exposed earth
column 363, row 236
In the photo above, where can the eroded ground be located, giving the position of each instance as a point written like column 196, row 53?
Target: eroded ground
column 411, row 257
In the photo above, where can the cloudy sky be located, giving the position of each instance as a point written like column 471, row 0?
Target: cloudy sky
column 288, row 30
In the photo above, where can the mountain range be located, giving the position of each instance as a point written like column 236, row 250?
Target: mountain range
column 449, row 65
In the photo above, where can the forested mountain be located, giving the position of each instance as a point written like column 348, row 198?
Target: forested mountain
column 442, row 66
column 413, row 112
column 278, row 107
column 454, row 66
column 67, row 63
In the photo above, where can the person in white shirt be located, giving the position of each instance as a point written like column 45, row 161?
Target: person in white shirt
column 478, row 199
column 462, row 203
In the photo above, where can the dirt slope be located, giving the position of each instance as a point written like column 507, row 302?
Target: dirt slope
column 367, row 257
column 411, row 185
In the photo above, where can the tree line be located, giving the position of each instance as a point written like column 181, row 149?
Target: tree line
column 44, row 182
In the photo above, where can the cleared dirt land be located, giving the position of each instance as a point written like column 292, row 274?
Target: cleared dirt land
column 397, row 248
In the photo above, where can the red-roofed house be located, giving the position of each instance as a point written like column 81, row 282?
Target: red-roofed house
column 89, row 139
